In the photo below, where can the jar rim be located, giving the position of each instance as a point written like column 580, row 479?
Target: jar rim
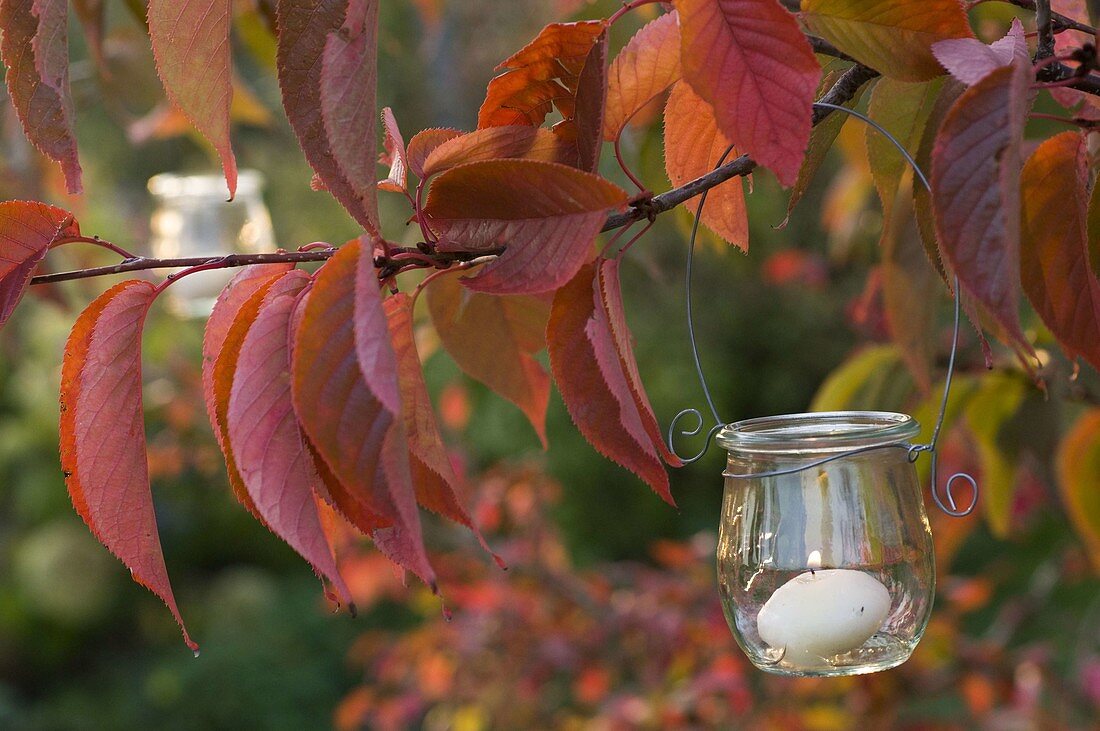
column 820, row 432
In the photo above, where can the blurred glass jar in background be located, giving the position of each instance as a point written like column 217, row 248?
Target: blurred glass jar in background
column 192, row 218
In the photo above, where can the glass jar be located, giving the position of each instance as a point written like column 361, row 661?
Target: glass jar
column 829, row 570
column 192, row 218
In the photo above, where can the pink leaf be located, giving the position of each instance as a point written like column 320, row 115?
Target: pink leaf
column 398, row 179
column 976, row 162
column 352, row 416
column 593, row 384
column 750, row 61
column 545, row 216
column 103, row 434
column 327, row 73
column 187, row 36
column 274, row 463
column 27, row 230
column 35, row 47
column 437, row 485
column 969, row 60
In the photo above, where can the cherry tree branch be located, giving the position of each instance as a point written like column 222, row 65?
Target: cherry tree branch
column 400, row 259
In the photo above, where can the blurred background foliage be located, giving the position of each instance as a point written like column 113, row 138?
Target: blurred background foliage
column 609, row 617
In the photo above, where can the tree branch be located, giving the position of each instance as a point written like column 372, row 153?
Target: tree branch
column 402, row 259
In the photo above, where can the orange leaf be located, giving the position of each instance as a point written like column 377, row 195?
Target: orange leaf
column 596, row 389
column 1054, row 249
column 103, row 434
column 351, row 414
column 976, row 164
column 233, row 313
column 545, row 216
column 492, row 340
column 437, row 485
column 1078, row 463
column 195, row 35
column 563, row 68
column 495, row 143
column 749, row 60
column 894, row 37
column 647, row 65
column 423, row 144
column 275, row 465
column 27, row 230
column 693, row 146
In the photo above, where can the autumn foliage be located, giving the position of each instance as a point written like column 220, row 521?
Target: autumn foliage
column 312, row 379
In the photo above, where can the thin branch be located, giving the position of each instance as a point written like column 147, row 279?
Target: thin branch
column 1058, row 21
column 1044, row 24
column 401, row 259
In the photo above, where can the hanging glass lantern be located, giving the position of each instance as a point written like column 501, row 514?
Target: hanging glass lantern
column 825, row 562
column 192, row 219
column 826, row 570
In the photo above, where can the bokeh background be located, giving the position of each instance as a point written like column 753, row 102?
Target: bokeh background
column 609, row 617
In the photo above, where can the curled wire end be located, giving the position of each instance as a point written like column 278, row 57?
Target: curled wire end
column 950, row 507
column 690, row 433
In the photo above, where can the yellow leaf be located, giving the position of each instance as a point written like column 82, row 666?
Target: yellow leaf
column 1078, row 464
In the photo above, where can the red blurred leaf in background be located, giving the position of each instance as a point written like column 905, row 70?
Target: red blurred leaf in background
column 1054, row 249
column 976, row 163
column 327, row 73
column 27, row 230
column 750, row 61
column 191, row 46
column 35, row 48
column 599, row 388
column 274, row 462
column 103, row 434
column 545, row 216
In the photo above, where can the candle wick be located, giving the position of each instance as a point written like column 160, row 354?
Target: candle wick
column 813, row 573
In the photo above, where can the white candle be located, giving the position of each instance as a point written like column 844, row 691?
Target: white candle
column 822, row 613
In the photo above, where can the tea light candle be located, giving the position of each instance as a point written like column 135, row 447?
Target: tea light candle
column 823, row 612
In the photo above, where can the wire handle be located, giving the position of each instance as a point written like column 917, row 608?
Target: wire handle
column 947, row 502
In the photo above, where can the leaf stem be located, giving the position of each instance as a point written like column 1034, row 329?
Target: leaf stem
column 622, row 163
column 627, row 7
column 95, row 240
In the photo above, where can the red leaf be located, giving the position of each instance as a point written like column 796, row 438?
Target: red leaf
column 583, row 132
column 969, row 60
column 397, row 181
column 35, row 48
column 540, row 76
column 611, row 297
column 976, row 165
column 233, row 313
column 436, row 483
column 595, row 388
column 749, row 60
column 27, row 230
column 275, row 465
column 693, row 146
column 352, row 416
column 496, row 143
column 423, row 144
column 647, row 65
column 493, row 339
column 546, row 217
column 1055, row 249
column 188, row 37
column 327, row 73
column 103, row 434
